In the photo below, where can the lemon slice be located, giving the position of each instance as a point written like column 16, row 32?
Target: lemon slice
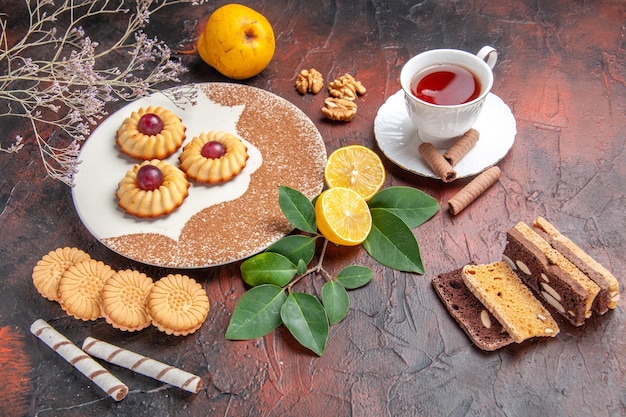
column 343, row 216
column 355, row 167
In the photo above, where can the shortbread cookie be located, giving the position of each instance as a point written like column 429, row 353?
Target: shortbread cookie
column 476, row 321
column 511, row 302
column 80, row 288
column 178, row 305
column 124, row 298
column 49, row 269
column 149, row 133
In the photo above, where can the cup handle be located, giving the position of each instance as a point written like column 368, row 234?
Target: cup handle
column 489, row 55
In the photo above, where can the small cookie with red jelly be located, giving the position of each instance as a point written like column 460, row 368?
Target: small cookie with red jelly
column 213, row 157
column 151, row 133
column 152, row 189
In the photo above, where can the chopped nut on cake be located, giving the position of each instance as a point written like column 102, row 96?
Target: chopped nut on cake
column 510, row 301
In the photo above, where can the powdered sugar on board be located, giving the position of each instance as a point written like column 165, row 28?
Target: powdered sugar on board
column 216, row 224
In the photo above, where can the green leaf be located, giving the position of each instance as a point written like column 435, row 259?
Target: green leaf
column 257, row 313
column 410, row 204
column 306, row 319
column 354, row 276
column 297, row 209
column 336, row 301
column 268, row 268
column 295, row 248
column 392, row 243
column 302, row 267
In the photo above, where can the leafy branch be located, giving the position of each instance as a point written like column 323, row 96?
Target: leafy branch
column 272, row 300
column 52, row 78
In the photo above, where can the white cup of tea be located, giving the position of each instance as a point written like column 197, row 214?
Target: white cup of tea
column 444, row 91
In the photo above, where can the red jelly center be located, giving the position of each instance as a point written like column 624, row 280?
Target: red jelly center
column 149, row 177
column 213, row 150
column 150, row 124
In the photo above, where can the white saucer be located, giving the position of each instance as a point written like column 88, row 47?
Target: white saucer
column 398, row 140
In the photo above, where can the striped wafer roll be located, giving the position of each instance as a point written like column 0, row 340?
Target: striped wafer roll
column 437, row 163
column 473, row 189
column 79, row 359
column 143, row 365
column 457, row 151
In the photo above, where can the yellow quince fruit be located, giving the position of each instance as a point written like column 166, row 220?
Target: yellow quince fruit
column 237, row 41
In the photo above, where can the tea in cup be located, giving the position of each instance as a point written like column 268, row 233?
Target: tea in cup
column 444, row 91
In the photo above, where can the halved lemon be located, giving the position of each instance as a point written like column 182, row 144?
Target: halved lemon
column 355, row 167
column 343, row 216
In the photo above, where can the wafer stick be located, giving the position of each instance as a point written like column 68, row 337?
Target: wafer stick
column 143, row 365
column 473, row 189
column 462, row 146
column 437, row 162
column 79, row 359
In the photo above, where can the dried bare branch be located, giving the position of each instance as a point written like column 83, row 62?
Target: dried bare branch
column 68, row 89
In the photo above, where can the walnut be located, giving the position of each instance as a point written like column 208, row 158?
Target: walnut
column 346, row 87
column 339, row 109
column 309, row 81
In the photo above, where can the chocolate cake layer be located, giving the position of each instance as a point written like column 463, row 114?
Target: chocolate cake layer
column 549, row 274
column 608, row 296
column 475, row 320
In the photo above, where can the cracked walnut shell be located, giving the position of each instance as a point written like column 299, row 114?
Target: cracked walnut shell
column 346, row 87
column 339, row 109
column 309, row 81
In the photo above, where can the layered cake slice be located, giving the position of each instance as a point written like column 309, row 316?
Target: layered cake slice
column 471, row 315
column 608, row 296
column 510, row 301
column 550, row 274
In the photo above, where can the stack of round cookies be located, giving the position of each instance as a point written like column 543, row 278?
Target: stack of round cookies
column 129, row 300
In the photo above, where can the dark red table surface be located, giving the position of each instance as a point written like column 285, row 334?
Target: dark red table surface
column 562, row 71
